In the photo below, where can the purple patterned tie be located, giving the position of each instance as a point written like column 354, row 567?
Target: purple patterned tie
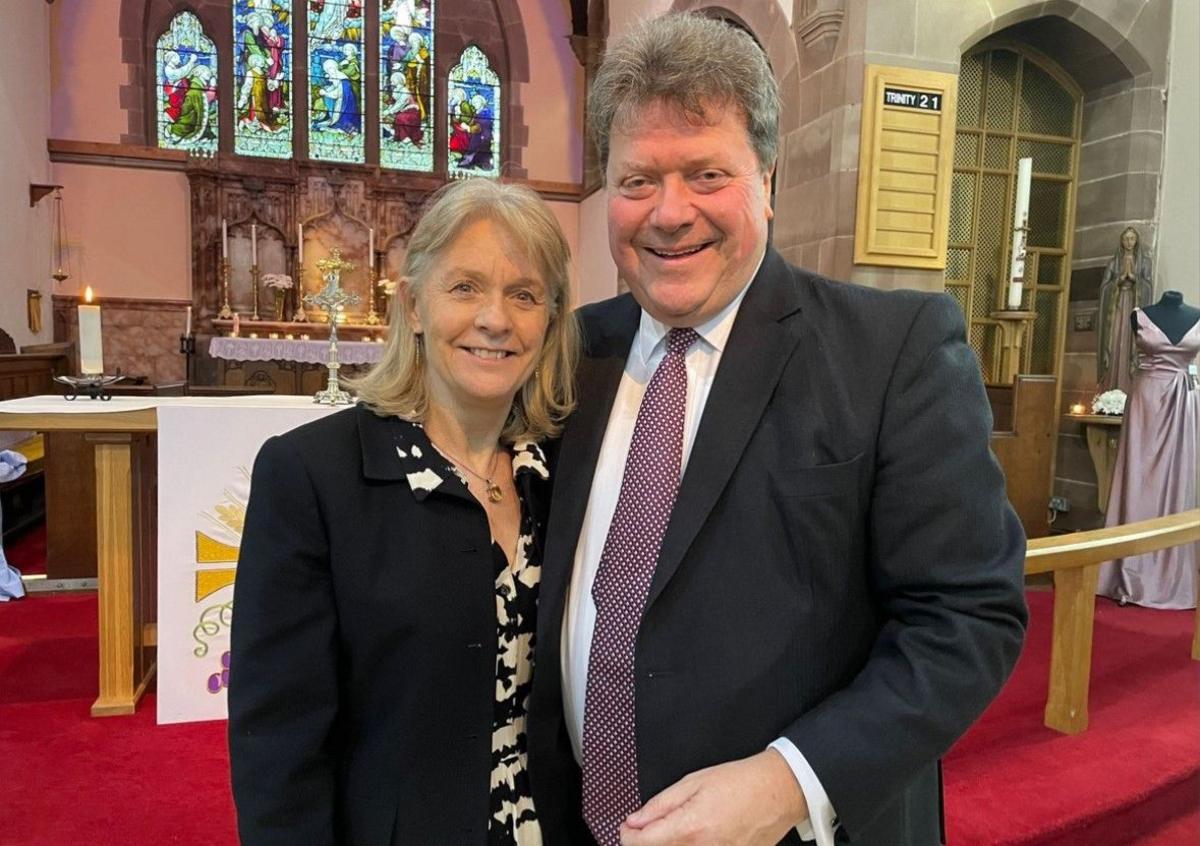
column 610, row 768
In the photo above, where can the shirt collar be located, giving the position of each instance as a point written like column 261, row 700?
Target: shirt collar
column 427, row 470
column 714, row 332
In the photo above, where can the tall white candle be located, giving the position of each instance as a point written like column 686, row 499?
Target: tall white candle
column 371, row 248
column 91, row 346
column 1016, row 282
column 254, row 243
column 224, row 239
column 300, row 243
column 187, row 329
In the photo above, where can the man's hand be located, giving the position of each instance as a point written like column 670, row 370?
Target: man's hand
column 752, row 801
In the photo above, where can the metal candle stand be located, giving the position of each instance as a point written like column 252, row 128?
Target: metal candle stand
column 187, row 347
column 94, row 386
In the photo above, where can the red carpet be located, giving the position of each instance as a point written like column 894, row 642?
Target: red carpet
column 70, row 779
column 27, row 552
column 1132, row 778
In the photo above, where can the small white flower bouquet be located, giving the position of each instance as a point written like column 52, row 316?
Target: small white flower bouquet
column 278, row 281
column 387, row 286
column 1109, row 402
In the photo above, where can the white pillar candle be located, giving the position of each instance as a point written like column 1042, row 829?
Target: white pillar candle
column 236, row 324
column 254, row 243
column 300, row 243
column 224, row 239
column 1020, row 223
column 371, row 248
column 187, row 329
column 91, row 345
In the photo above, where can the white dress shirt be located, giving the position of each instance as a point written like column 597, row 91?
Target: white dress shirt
column 648, row 350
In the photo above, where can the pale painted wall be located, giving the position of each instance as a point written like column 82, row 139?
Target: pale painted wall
column 25, row 241
column 1179, row 246
column 553, row 97
column 86, row 72
column 130, row 231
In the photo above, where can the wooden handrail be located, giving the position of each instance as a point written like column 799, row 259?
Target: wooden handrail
column 1075, row 562
column 1063, row 552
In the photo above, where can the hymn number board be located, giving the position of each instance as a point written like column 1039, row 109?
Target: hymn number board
column 905, row 167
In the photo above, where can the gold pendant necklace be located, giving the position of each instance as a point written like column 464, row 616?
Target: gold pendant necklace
column 494, row 493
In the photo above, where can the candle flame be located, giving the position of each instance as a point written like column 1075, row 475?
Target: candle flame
column 87, row 294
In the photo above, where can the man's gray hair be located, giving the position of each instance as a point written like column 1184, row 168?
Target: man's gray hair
column 692, row 62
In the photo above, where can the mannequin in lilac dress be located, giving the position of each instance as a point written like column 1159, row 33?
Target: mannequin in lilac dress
column 1156, row 458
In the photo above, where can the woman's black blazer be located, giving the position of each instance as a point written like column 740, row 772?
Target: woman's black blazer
column 362, row 677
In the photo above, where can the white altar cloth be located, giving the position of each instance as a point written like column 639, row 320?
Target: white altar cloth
column 284, row 349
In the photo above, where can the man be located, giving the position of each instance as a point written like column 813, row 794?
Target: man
column 781, row 575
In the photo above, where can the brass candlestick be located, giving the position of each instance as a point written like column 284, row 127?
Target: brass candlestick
column 299, row 315
column 226, row 313
column 372, row 315
column 254, row 285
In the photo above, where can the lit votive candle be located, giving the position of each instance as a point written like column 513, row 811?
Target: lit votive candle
column 253, row 334
column 304, row 337
column 1077, row 408
column 274, row 336
column 289, row 336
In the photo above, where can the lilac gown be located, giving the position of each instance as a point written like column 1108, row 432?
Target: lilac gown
column 1156, row 469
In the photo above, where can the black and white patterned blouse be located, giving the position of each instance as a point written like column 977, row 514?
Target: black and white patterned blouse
column 513, row 820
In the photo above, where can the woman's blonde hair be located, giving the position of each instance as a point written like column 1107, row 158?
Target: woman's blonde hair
column 397, row 384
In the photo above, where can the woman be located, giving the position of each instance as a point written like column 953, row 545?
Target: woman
column 388, row 578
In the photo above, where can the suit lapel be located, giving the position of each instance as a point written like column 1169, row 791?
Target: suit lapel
column 759, row 346
column 599, row 375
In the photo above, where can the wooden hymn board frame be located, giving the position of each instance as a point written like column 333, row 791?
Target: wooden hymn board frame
column 905, row 165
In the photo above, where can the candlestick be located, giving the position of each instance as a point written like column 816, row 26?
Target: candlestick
column 91, row 345
column 299, row 315
column 224, row 240
column 254, row 285
column 1020, row 232
column 226, row 312
column 372, row 315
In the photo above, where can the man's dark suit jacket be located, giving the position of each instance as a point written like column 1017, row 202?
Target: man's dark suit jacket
column 363, row 671
column 842, row 567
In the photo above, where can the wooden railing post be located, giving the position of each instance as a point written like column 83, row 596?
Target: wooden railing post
column 1071, row 649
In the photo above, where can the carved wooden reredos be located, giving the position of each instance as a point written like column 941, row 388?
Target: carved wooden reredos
column 337, row 206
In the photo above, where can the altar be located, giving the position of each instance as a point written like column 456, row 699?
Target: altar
column 285, row 363
column 172, row 481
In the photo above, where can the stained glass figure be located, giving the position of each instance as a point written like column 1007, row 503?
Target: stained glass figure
column 335, row 80
column 474, row 116
column 187, row 87
column 262, row 60
column 406, row 84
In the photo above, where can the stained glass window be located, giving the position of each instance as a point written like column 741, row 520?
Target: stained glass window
column 187, row 87
column 474, row 116
column 335, row 80
column 262, row 61
column 406, row 84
